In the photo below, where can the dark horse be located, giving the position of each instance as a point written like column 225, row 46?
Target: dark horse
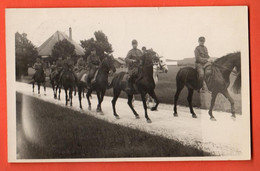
column 217, row 81
column 39, row 78
column 55, row 81
column 144, row 84
column 101, row 83
column 68, row 82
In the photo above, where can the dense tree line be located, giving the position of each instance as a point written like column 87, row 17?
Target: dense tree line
column 25, row 54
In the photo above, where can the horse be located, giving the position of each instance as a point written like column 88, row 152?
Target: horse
column 158, row 66
column 39, row 78
column 217, row 80
column 68, row 82
column 55, row 81
column 101, row 83
column 144, row 84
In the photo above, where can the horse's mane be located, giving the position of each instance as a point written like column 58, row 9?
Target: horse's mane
column 223, row 58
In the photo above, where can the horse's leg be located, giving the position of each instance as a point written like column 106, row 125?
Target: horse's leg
column 53, row 88
column 189, row 98
column 39, row 88
column 44, row 87
column 145, row 108
column 230, row 99
column 99, row 100
column 66, row 96
column 75, row 90
column 33, row 86
column 79, row 94
column 129, row 102
column 153, row 96
column 176, row 97
column 102, row 94
column 212, row 103
column 59, row 87
column 70, row 94
column 116, row 95
column 89, row 103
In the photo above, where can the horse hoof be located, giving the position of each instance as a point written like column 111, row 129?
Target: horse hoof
column 137, row 117
column 154, row 109
column 175, row 114
column 194, row 115
column 148, row 121
column 117, row 117
column 212, row 119
column 233, row 117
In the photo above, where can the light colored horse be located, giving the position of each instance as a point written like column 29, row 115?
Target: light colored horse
column 159, row 66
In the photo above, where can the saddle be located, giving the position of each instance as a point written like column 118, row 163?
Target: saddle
column 82, row 75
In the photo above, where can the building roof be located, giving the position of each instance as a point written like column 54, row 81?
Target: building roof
column 46, row 48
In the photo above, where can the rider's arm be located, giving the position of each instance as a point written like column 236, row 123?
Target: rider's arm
column 198, row 57
column 128, row 57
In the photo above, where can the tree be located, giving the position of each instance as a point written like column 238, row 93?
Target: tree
column 63, row 49
column 25, row 54
column 100, row 43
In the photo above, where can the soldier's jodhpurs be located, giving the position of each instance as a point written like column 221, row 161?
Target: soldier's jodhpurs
column 200, row 70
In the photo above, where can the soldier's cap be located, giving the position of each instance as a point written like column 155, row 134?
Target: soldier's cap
column 134, row 41
column 143, row 48
column 202, row 39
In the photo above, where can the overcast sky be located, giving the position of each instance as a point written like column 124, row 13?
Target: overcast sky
column 172, row 32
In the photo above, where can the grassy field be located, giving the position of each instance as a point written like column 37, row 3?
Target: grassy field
column 166, row 88
column 45, row 130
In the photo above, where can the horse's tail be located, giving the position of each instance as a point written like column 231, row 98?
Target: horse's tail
column 237, row 84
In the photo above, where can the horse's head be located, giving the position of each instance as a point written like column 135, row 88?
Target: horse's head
column 108, row 63
column 149, row 57
column 162, row 64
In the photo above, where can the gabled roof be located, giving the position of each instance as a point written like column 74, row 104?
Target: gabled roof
column 46, row 48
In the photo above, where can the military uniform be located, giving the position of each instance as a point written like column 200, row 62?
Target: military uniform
column 93, row 63
column 38, row 66
column 201, row 58
column 133, row 54
column 68, row 64
column 80, row 64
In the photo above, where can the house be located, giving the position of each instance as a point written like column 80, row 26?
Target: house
column 45, row 50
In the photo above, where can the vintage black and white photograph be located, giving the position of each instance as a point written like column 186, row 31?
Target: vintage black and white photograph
column 128, row 84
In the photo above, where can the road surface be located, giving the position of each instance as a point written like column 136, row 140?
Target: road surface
column 224, row 137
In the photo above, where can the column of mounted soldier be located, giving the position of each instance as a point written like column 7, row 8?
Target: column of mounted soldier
column 92, row 75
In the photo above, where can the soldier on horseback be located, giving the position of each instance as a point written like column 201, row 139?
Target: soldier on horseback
column 80, row 64
column 38, row 66
column 68, row 63
column 56, row 68
column 133, row 59
column 201, row 59
column 93, row 63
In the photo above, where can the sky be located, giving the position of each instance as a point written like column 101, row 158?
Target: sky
column 172, row 32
